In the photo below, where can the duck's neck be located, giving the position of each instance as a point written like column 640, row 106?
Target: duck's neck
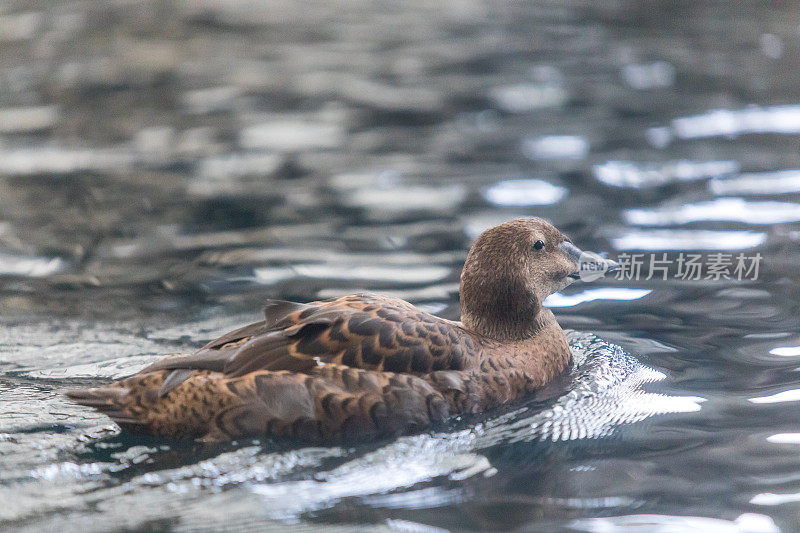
column 505, row 310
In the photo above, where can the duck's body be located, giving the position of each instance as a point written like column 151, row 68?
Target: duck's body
column 362, row 365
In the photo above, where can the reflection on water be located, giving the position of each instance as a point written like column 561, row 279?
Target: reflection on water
column 556, row 147
column 759, row 183
column 526, row 97
column 524, row 192
column 645, row 76
column 166, row 167
column 786, row 351
column 34, row 267
column 785, row 396
column 777, row 119
column 721, row 209
column 745, row 523
column 642, row 175
column 396, row 274
column 590, row 295
column 785, row 438
column 675, row 239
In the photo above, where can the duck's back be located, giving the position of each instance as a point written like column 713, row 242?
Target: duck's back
column 356, row 366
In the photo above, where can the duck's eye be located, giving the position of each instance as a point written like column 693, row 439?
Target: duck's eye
column 538, row 245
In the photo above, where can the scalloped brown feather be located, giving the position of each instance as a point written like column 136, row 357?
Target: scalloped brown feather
column 361, row 331
column 352, row 367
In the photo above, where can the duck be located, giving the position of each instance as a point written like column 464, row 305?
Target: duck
column 366, row 366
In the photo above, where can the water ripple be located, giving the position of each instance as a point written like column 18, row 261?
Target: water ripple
column 605, row 393
column 731, row 123
column 601, row 293
column 292, row 135
column 745, row 523
column 558, row 147
column 758, row 183
column 721, row 209
column 669, row 239
column 523, row 192
column 643, row 175
column 387, row 273
column 524, row 97
column 34, row 267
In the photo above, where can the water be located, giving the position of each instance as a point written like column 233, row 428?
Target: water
column 166, row 167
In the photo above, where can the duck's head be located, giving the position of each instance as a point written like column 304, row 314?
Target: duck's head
column 511, row 269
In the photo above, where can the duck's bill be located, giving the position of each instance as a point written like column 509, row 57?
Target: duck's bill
column 590, row 265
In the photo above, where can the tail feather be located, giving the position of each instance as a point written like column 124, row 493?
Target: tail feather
column 136, row 404
column 99, row 398
column 111, row 401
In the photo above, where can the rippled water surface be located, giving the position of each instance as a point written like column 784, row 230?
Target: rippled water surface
column 165, row 167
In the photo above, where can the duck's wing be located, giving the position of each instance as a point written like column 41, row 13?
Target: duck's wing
column 362, row 331
column 214, row 355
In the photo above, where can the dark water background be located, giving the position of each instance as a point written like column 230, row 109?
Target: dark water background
column 165, row 167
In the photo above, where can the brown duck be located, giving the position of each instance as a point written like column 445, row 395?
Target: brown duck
column 366, row 365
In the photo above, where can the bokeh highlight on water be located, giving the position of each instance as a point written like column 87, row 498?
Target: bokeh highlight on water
column 166, row 167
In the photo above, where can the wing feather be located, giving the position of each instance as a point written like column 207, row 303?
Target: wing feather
column 387, row 334
column 256, row 328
